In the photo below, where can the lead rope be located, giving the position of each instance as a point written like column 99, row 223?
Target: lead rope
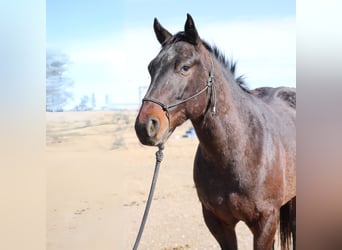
column 159, row 158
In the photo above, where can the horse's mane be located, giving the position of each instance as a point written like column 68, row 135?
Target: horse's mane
column 229, row 65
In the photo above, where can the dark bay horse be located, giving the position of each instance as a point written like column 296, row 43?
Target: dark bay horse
column 245, row 165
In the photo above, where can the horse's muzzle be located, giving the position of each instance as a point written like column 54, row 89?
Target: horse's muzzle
column 147, row 131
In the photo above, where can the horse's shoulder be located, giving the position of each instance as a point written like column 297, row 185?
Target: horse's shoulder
column 283, row 94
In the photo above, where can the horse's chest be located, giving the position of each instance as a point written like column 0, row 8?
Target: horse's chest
column 220, row 193
column 228, row 205
column 212, row 192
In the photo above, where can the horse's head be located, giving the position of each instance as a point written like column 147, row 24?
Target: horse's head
column 181, row 75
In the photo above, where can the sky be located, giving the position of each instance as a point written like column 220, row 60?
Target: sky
column 110, row 42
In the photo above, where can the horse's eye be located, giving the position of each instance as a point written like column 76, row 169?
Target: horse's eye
column 185, row 68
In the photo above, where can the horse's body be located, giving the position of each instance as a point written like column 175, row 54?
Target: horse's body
column 245, row 163
column 246, row 169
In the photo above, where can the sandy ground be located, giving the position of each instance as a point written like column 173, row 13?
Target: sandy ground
column 98, row 179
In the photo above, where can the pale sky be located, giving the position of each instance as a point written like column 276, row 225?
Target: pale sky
column 110, row 43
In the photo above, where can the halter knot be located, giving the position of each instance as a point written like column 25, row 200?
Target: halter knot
column 159, row 153
column 210, row 80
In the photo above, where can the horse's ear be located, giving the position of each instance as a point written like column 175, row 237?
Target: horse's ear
column 161, row 33
column 190, row 30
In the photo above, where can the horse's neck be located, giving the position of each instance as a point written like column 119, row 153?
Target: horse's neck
column 223, row 135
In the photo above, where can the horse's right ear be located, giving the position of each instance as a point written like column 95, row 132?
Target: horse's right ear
column 191, row 31
column 161, row 33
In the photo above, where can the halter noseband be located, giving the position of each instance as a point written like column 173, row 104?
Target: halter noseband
column 212, row 99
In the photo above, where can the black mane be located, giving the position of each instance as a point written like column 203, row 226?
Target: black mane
column 230, row 65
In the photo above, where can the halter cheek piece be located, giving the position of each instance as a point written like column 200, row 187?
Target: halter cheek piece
column 167, row 107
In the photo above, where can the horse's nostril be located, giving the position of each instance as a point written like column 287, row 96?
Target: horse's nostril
column 152, row 126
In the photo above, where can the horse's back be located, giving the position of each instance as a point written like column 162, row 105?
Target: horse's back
column 281, row 102
column 270, row 95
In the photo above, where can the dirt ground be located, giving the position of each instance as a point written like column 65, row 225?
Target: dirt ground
column 98, row 179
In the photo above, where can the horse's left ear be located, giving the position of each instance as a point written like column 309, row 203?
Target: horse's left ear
column 190, row 30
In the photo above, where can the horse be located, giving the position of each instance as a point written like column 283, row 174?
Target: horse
column 245, row 164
